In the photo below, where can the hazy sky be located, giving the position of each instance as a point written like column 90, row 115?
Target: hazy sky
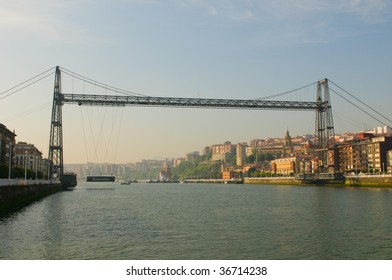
column 191, row 48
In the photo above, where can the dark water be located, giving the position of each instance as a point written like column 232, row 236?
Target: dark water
column 202, row 221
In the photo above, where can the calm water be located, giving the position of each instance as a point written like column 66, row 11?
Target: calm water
column 202, row 221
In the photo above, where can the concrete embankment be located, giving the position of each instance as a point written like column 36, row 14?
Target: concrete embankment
column 214, row 181
column 369, row 181
column 273, row 181
column 16, row 196
column 349, row 181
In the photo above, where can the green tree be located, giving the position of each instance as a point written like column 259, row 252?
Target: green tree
column 3, row 171
column 199, row 170
column 250, row 159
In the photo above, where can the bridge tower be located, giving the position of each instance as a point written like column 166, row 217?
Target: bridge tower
column 56, row 166
column 325, row 134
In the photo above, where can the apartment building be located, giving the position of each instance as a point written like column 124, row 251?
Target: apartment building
column 389, row 162
column 7, row 144
column 367, row 154
column 28, row 156
column 222, row 152
column 240, row 150
column 377, row 153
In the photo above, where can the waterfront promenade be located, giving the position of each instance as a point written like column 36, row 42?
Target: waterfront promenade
column 23, row 182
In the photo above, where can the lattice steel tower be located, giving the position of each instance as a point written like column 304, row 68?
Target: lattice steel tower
column 56, row 165
column 325, row 134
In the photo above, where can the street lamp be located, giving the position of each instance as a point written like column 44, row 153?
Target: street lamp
column 9, row 162
column 36, row 163
column 25, row 166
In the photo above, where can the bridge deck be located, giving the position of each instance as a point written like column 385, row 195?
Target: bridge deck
column 149, row 101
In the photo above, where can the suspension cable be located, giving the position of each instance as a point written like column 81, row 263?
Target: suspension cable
column 352, row 103
column 286, row 92
column 27, row 112
column 99, row 84
column 363, row 103
column 26, row 83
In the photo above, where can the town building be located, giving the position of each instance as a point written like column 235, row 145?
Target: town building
column 377, row 150
column 222, row 152
column 165, row 174
column 389, row 162
column 7, row 145
column 29, row 157
column 192, row 157
column 380, row 130
column 241, row 155
column 280, row 147
column 291, row 165
column 366, row 154
column 206, row 151
column 178, row 161
column 231, row 174
column 288, row 148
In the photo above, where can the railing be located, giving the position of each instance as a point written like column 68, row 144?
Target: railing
column 23, row 182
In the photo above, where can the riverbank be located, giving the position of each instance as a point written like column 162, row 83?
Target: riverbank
column 273, row 181
column 369, row 181
column 350, row 181
column 17, row 196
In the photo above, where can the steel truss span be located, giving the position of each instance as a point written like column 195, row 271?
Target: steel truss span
column 149, row 101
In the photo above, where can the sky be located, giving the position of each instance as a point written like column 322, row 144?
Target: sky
column 191, row 48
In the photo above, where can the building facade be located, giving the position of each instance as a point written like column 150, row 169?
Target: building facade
column 288, row 148
column 165, row 174
column 389, row 162
column 367, row 154
column 296, row 164
column 377, row 150
column 7, row 145
column 29, row 157
column 222, row 152
column 240, row 151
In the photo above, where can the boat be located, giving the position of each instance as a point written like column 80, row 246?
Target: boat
column 125, row 182
column 69, row 180
column 101, row 178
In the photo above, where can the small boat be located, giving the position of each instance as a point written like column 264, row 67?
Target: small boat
column 125, row 182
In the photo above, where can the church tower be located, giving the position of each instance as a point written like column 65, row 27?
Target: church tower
column 287, row 144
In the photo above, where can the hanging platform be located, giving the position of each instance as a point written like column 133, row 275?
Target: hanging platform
column 101, row 178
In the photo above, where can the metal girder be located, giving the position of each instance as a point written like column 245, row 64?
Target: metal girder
column 149, row 101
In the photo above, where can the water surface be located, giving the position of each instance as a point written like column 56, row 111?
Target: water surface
column 202, row 221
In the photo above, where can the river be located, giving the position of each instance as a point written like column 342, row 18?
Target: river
column 202, row 221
